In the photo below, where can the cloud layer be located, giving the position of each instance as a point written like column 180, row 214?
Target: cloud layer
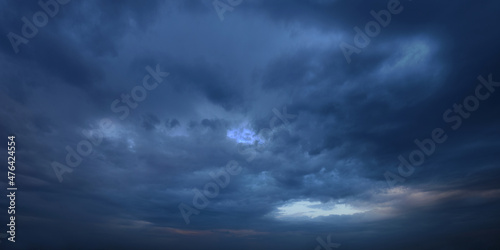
column 268, row 89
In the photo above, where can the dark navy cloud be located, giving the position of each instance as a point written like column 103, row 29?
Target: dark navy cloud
column 270, row 89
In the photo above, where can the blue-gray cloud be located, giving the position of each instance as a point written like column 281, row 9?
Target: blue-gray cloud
column 230, row 87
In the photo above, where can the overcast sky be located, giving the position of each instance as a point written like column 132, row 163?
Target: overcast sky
column 252, row 124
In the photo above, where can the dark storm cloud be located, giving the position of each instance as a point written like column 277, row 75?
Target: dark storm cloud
column 173, row 123
column 233, row 81
column 150, row 121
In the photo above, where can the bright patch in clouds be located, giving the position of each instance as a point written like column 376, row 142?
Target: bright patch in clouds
column 315, row 209
column 243, row 134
